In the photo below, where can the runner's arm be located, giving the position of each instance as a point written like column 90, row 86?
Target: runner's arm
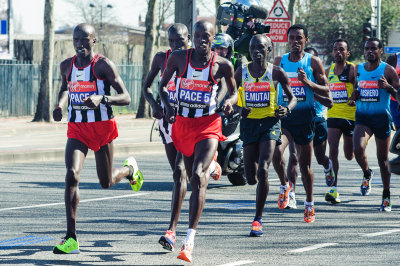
column 389, row 81
column 321, row 85
column 280, row 75
column 105, row 69
column 63, row 94
column 229, row 76
column 171, row 68
column 147, row 90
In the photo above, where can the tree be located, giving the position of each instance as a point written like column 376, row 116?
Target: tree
column 46, row 70
column 164, row 11
column 95, row 12
column 144, row 108
column 328, row 20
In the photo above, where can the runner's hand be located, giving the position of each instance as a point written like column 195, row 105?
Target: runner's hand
column 281, row 112
column 302, row 76
column 170, row 114
column 57, row 113
column 245, row 112
column 157, row 111
column 384, row 84
column 93, row 101
column 353, row 98
column 227, row 108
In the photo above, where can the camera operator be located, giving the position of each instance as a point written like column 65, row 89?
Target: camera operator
column 223, row 46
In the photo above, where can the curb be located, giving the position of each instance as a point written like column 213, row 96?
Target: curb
column 46, row 155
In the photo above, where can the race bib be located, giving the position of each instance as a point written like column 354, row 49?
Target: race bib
column 194, row 94
column 257, row 95
column 171, row 91
column 339, row 92
column 80, row 90
column 298, row 88
column 369, row 90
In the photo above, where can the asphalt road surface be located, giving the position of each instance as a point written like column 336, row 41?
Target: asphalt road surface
column 122, row 227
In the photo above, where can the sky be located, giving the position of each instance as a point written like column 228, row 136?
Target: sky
column 28, row 14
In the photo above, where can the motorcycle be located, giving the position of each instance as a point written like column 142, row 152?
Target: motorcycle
column 230, row 151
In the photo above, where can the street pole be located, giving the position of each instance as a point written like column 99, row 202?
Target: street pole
column 378, row 15
column 185, row 13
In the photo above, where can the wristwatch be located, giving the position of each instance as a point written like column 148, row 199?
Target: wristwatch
column 104, row 100
column 288, row 110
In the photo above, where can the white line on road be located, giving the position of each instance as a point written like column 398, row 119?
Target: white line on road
column 82, row 201
column 241, row 262
column 382, row 233
column 299, row 250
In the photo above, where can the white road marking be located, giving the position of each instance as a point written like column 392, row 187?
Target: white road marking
column 299, row 250
column 241, row 262
column 82, row 201
column 382, row 233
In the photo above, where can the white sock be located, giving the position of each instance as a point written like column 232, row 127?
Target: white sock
column 333, row 187
column 291, row 193
column 329, row 167
column 306, row 203
column 190, row 236
column 211, row 168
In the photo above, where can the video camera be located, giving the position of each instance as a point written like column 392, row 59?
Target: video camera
column 236, row 16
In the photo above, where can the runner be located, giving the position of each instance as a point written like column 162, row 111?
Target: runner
column 197, row 128
column 341, row 116
column 319, row 142
column 86, row 80
column 260, row 127
column 178, row 38
column 376, row 81
column 302, row 69
column 394, row 61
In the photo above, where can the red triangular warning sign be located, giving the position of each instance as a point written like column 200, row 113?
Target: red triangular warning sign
column 278, row 11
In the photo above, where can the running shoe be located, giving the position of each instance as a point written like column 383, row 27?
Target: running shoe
column 136, row 180
column 283, row 199
column 67, row 246
column 256, row 229
column 330, row 175
column 386, row 205
column 215, row 169
column 332, row 196
column 186, row 252
column 309, row 214
column 292, row 204
column 168, row 240
column 365, row 188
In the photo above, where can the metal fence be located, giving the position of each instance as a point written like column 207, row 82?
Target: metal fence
column 20, row 82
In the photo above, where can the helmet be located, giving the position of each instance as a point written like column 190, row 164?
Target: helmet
column 224, row 40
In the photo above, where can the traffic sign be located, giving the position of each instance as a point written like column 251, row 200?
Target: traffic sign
column 278, row 30
column 278, row 11
column 392, row 50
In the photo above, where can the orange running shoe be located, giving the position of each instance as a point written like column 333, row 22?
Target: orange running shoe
column 283, row 199
column 309, row 214
column 186, row 252
column 168, row 240
column 256, row 229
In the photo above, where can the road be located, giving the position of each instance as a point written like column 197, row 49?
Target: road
column 121, row 227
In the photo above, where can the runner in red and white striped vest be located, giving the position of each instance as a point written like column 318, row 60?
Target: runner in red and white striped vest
column 86, row 81
column 198, row 127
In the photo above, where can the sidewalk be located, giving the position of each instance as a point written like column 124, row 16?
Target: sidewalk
column 24, row 141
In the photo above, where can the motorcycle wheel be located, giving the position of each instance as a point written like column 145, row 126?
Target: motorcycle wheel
column 237, row 179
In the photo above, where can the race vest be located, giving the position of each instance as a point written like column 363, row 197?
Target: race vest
column 304, row 112
column 373, row 100
column 82, row 83
column 341, row 89
column 259, row 94
column 197, row 93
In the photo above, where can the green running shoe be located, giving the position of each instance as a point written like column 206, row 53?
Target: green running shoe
column 332, row 196
column 136, row 180
column 67, row 246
